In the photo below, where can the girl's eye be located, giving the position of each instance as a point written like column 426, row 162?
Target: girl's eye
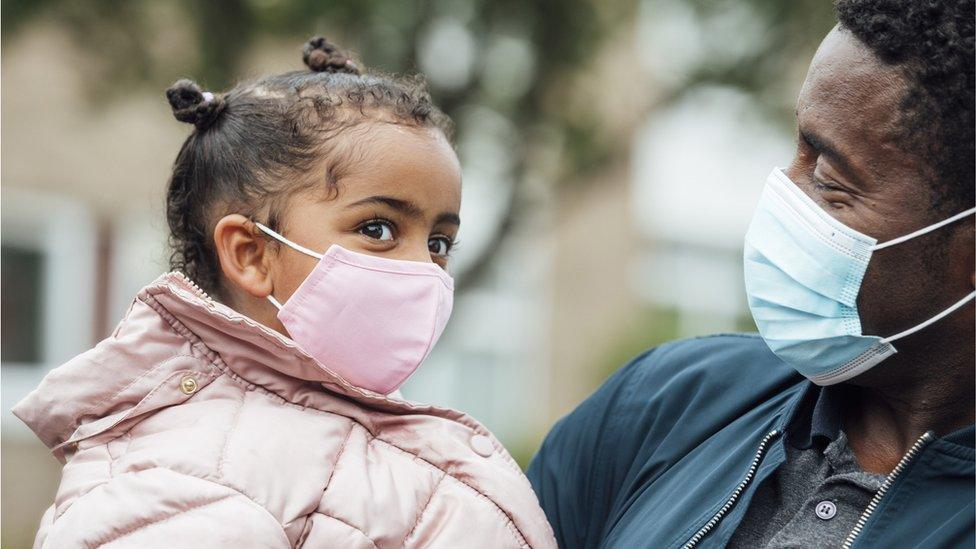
column 439, row 245
column 377, row 230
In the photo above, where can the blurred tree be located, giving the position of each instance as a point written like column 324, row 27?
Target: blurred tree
column 761, row 47
column 503, row 55
column 509, row 60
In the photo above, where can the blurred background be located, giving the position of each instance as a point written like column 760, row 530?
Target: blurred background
column 612, row 151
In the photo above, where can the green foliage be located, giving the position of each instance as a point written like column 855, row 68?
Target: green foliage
column 151, row 43
column 784, row 36
column 649, row 328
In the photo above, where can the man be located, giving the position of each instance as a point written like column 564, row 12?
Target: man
column 817, row 434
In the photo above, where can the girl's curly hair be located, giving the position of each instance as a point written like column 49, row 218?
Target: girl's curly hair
column 250, row 145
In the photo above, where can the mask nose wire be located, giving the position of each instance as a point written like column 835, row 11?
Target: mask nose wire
column 925, row 230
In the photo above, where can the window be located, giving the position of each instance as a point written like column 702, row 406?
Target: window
column 48, row 259
column 20, row 306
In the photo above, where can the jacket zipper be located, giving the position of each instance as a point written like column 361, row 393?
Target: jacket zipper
column 885, row 486
column 193, row 286
column 700, row 534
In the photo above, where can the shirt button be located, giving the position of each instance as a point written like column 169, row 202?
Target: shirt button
column 482, row 445
column 826, row 510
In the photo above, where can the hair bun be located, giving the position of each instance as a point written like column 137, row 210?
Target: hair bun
column 193, row 105
column 320, row 55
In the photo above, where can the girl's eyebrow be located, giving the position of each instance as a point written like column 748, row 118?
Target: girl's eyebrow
column 450, row 218
column 405, row 207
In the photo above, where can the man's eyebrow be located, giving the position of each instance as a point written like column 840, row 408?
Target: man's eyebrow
column 406, row 207
column 826, row 148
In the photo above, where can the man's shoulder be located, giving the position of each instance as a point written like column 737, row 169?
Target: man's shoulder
column 740, row 362
column 714, row 379
column 650, row 415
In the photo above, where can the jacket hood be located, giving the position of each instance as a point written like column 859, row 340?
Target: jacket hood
column 116, row 380
column 268, row 399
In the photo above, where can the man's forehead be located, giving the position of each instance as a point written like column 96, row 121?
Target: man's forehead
column 845, row 74
column 852, row 100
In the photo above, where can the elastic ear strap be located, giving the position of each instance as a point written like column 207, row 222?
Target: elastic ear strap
column 928, row 229
column 274, row 302
column 932, row 320
column 289, row 243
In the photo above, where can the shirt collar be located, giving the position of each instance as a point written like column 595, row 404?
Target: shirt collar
column 819, row 412
column 820, row 415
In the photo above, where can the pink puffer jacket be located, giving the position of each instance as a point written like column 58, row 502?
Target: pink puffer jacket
column 194, row 426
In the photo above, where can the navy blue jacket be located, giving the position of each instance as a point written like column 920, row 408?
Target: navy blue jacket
column 671, row 449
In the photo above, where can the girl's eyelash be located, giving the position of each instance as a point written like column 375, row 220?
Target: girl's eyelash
column 377, row 219
column 451, row 243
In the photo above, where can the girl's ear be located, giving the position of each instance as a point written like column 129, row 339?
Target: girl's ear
column 244, row 255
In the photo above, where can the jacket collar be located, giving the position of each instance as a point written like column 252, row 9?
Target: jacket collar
column 965, row 437
column 246, row 346
column 173, row 329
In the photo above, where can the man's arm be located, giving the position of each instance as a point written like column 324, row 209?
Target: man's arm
column 584, row 461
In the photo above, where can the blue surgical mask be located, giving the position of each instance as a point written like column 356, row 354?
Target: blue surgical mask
column 803, row 272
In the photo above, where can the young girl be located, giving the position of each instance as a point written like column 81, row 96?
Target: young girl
column 245, row 399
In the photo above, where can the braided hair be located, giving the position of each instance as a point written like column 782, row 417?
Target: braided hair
column 251, row 145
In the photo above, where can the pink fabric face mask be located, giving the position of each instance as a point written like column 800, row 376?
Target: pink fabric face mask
column 370, row 319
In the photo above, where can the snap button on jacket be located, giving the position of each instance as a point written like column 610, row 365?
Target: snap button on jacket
column 194, row 426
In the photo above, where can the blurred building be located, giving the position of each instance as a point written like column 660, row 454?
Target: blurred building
column 645, row 249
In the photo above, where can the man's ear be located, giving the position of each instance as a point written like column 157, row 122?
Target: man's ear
column 244, row 255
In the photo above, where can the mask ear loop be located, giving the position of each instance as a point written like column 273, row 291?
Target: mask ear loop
column 932, row 320
column 952, row 308
column 290, row 244
column 928, row 229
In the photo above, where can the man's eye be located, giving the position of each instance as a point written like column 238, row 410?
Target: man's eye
column 833, row 196
column 824, row 186
column 439, row 245
column 377, row 230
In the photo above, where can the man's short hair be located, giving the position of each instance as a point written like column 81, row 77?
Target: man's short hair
column 932, row 40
